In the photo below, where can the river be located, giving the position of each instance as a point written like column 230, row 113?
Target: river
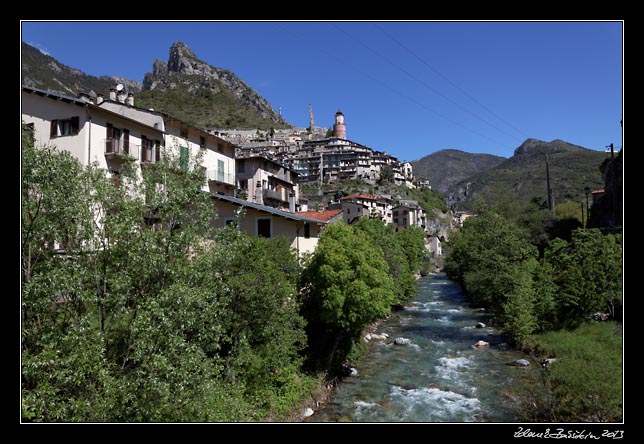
column 441, row 377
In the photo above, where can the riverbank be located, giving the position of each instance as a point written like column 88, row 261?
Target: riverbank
column 438, row 376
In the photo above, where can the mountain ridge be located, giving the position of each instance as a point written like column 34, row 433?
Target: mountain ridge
column 184, row 86
column 572, row 169
column 455, row 165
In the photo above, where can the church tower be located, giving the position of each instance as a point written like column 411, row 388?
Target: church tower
column 339, row 128
column 311, row 121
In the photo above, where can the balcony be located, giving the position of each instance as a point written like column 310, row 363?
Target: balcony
column 116, row 149
column 281, row 195
column 220, row 176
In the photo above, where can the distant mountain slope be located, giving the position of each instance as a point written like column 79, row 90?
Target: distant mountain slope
column 203, row 95
column 45, row 72
column 446, row 168
column 572, row 168
column 185, row 87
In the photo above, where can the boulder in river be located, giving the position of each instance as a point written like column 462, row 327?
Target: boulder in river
column 402, row 341
column 378, row 338
column 481, row 344
column 521, row 363
column 480, row 325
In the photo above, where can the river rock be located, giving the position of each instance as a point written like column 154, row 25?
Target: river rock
column 402, row 341
column 481, row 344
column 353, row 372
column 521, row 363
column 378, row 338
column 308, row 412
column 480, row 325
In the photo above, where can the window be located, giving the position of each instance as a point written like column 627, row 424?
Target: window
column 183, row 158
column 396, row 213
column 220, row 170
column 66, row 127
column 148, row 149
column 264, row 227
column 307, row 230
column 117, row 141
column 395, row 220
column 202, row 141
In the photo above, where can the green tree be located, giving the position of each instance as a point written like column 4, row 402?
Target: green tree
column 386, row 174
column 588, row 272
column 347, row 287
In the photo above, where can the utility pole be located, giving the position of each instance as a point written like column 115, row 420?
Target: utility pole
column 612, row 152
column 587, row 191
column 551, row 200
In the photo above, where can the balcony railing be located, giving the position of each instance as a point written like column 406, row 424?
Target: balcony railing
column 276, row 195
column 114, row 147
column 220, row 176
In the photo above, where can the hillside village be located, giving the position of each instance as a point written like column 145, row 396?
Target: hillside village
column 254, row 177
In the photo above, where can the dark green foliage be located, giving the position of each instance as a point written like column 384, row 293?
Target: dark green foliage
column 498, row 268
column 585, row 382
column 346, row 287
column 404, row 252
column 147, row 315
column 205, row 108
column 588, row 272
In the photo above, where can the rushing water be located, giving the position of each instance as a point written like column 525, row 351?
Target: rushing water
column 441, row 377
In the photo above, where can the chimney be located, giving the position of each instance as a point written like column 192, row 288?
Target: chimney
column 291, row 202
column 85, row 97
column 259, row 198
column 130, row 99
column 99, row 99
column 113, row 94
column 121, row 96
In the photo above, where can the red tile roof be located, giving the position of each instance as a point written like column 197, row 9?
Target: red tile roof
column 323, row 216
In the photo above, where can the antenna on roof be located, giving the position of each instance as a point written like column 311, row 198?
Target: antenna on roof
column 119, row 87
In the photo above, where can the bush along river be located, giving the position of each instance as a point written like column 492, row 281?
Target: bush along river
column 437, row 373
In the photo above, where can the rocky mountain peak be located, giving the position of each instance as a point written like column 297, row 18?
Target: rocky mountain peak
column 183, row 61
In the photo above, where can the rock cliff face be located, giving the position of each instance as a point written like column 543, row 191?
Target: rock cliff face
column 218, row 98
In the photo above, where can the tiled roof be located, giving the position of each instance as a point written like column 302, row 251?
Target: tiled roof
column 323, row 216
column 266, row 209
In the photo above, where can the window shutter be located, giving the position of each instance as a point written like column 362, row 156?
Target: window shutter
column 126, row 141
column 183, row 158
column 75, row 125
column 157, row 144
column 53, row 129
column 108, row 138
column 144, row 145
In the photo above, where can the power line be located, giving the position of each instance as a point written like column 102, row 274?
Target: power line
column 384, row 85
column 425, row 84
column 448, row 80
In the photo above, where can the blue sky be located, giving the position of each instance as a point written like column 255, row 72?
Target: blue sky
column 408, row 88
